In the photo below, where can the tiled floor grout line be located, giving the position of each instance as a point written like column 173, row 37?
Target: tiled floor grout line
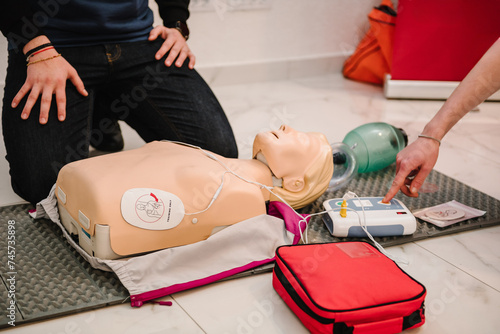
column 455, row 266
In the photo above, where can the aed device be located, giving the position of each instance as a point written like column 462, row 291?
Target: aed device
column 381, row 219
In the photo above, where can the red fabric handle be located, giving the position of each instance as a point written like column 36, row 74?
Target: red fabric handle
column 380, row 327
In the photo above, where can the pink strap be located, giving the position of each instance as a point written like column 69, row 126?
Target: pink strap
column 283, row 211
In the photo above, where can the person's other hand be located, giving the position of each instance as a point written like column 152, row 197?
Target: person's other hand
column 45, row 79
column 413, row 165
column 175, row 44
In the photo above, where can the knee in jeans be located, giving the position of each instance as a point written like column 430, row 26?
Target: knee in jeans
column 227, row 149
column 31, row 189
column 232, row 151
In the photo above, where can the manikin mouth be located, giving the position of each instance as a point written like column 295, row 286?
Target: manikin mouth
column 276, row 182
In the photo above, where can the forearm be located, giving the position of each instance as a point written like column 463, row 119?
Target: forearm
column 172, row 11
column 16, row 22
column 14, row 15
column 479, row 84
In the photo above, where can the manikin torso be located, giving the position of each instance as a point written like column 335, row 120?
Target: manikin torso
column 96, row 187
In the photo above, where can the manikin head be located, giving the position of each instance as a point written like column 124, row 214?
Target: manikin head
column 303, row 161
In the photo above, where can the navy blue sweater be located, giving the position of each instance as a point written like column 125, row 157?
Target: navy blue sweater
column 85, row 22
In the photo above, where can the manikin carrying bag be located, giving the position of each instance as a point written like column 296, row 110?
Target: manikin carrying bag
column 347, row 287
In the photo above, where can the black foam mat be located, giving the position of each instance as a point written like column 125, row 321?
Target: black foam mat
column 46, row 276
column 443, row 189
column 52, row 279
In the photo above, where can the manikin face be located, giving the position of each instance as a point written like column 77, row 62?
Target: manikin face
column 288, row 153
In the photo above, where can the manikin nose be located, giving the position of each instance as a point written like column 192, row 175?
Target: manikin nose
column 285, row 128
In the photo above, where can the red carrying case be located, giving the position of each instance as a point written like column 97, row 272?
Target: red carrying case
column 347, row 287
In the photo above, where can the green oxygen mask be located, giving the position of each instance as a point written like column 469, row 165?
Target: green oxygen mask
column 367, row 148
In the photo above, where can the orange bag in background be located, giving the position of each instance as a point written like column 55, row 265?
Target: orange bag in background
column 372, row 58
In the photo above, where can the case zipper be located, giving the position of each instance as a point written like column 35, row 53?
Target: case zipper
column 140, row 299
column 296, row 298
column 278, row 256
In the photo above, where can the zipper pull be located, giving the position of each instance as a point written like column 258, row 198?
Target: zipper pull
column 136, row 304
column 163, row 303
column 139, row 303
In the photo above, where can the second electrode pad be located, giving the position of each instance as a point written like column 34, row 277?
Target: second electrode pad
column 381, row 219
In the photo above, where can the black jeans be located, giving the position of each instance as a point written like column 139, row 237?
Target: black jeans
column 124, row 81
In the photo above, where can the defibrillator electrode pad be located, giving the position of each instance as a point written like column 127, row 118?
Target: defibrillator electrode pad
column 152, row 209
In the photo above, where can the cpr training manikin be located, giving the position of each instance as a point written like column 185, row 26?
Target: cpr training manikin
column 168, row 194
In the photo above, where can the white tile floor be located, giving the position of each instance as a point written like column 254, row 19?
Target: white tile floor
column 461, row 271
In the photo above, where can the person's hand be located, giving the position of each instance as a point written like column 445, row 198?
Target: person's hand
column 413, row 165
column 45, row 79
column 175, row 43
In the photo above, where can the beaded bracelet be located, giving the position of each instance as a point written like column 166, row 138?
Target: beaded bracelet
column 429, row 137
column 40, row 60
column 30, row 52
